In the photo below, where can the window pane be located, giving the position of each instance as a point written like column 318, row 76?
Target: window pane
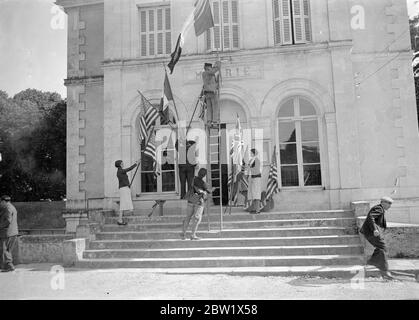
column 160, row 43
column 148, row 182
column 226, row 35
column 168, row 42
column 167, row 18
column 309, row 130
column 288, row 153
column 289, row 176
column 287, row 132
column 311, row 153
column 168, row 161
column 143, row 21
column 217, row 37
column 151, row 45
column 151, row 20
column 236, row 37
column 306, row 108
column 160, row 19
column 168, row 181
column 312, row 175
column 287, row 109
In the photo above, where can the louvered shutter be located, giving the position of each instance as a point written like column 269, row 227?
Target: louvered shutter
column 307, row 23
column 226, row 25
column 217, row 25
column 168, row 31
column 277, row 22
column 160, row 31
column 286, row 22
column 235, row 24
column 298, row 17
column 143, row 33
column 151, row 34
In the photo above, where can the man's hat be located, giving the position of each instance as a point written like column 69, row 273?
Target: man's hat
column 387, row 199
column 208, row 64
column 5, row 198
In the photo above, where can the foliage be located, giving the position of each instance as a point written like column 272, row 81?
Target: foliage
column 33, row 145
column 414, row 30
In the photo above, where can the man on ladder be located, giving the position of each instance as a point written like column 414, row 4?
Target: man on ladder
column 210, row 78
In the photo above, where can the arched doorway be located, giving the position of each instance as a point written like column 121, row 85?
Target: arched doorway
column 161, row 176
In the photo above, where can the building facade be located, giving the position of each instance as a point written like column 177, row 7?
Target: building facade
column 327, row 84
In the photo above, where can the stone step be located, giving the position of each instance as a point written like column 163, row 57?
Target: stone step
column 229, row 233
column 339, row 222
column 223, row 252
column 215, row 210
column 212, row 262
column 224, row 242
column 136, row 219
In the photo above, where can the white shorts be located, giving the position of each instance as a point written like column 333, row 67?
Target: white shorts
column 125, row 201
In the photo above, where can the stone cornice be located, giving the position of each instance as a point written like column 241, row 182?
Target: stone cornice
column 239, row 54
column 77, row 81
column 77, row 3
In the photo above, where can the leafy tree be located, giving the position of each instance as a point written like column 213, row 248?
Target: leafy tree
column 33, row 145
column 414, row 31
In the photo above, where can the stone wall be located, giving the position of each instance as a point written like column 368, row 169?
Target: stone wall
column 402, row 240
column 40, row 215
column 40, row 249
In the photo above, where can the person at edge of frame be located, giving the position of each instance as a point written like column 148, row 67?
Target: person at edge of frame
column 8, row 233
column 125, row 200
column 195, row 208
column 371, row 231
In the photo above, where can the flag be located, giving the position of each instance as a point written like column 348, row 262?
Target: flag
column 237, row 145
column 203, row 19
column 167, row 92
column 273, row 178
column 175, row 56
column 150, row 115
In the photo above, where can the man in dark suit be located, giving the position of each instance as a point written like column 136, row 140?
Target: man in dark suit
column 8, row 232
column 187, row 155
column 371, row 230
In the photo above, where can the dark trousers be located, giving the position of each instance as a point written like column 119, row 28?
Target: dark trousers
column 213, row 108
column 379, row 257
column 186, row 174
column 7, row 245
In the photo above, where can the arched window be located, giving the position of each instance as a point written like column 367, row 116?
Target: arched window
column 299, row 144
column 163, row 177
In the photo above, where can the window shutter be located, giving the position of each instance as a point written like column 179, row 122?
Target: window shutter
column 235, row 24
column 298, row 18
column 217, row 26
column 160, row 31
column 286, row 22
column 307, row 24
column 226, row 26
column 143, row 33
column 277, row 22
column 168, row 32
column 151, row 33
column 209, row 39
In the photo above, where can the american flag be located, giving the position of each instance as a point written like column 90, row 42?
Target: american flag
column 151, row 114
column 273, row 186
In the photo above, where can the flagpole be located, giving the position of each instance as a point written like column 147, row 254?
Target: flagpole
column 193, row 114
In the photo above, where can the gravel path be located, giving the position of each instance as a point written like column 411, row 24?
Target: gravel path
column 34, row 282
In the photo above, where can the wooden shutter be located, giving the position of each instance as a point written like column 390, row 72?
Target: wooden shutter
column 151, row 33
column 298, row 20
column 143, row 32
column 168, row 24
column 277, row 22
column 307, row 23
column 286, row 22
column 216, row 31
column 235, row 24
column 226, row 25
column 160, row 31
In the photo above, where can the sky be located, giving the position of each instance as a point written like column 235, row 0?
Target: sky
column 33, row 45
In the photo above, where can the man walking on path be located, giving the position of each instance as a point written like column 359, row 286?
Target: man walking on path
column 371, row 230
column 8, row 232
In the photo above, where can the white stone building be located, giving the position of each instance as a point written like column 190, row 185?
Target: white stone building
column 329, row 82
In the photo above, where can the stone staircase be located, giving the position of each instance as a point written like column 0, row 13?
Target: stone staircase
column 268, row 240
